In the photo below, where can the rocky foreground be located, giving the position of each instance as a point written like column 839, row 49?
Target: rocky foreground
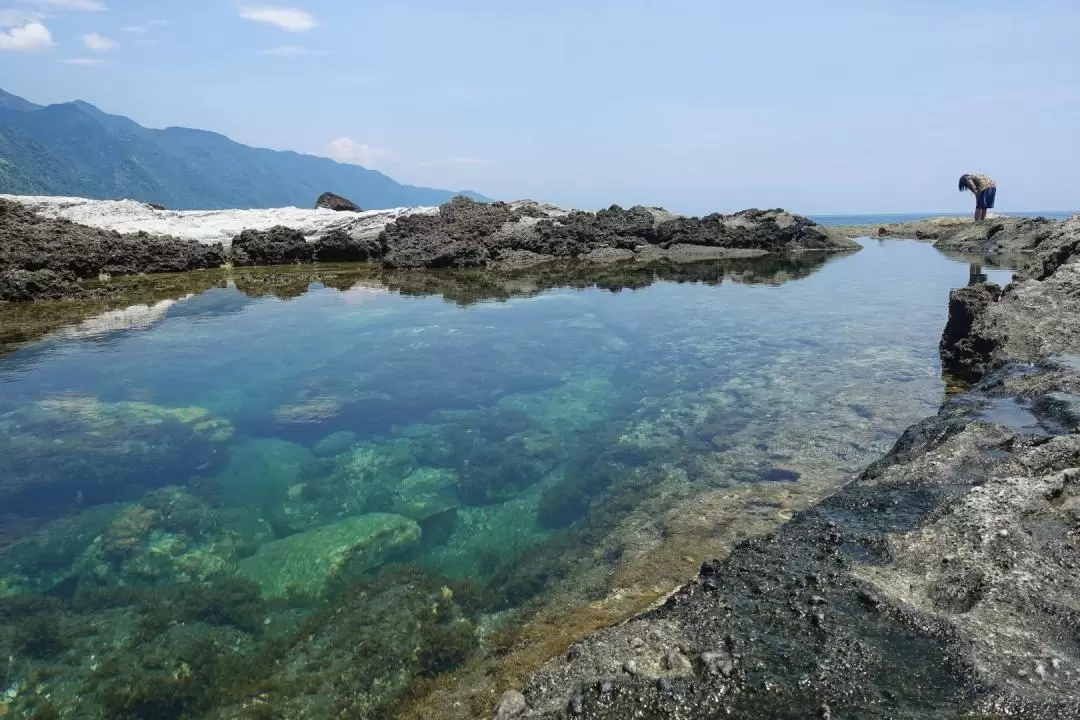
column 44, row 253
column 943, row 582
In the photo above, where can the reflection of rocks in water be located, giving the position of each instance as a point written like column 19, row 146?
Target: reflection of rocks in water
column 470, row 286
column 108, row 304
column 21, row 323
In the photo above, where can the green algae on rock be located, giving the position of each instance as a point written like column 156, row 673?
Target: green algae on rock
column 307, row 563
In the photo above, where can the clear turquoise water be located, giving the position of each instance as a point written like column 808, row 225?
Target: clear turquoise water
column 413, row 473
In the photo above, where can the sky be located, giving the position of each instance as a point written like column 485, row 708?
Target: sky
column 831, row 106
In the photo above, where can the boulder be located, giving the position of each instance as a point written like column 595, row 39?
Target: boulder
column 332, row 201
column 309, row 562
column 338, row 246
column 277, row 246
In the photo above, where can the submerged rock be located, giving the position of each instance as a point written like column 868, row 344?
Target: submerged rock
column 332, row 201
column 335, row 444
column 307, row 563
column 62, row 453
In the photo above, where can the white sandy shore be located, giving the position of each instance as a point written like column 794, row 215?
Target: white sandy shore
column 208, row 226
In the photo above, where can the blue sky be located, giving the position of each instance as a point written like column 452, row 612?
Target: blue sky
column 697, row 105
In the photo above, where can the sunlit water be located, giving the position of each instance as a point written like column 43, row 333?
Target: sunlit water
column 315, row 504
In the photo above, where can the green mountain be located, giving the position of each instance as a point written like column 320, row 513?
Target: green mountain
column 76, row 149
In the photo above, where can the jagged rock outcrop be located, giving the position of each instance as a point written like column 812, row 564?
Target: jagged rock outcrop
column 332, row 201
column 32, row 243
column 1030, row 319
column 277, row 246
column 338, row 246
column 29, row 285
column 467, row 234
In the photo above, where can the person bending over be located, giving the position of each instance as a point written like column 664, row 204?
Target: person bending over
column 985, row 192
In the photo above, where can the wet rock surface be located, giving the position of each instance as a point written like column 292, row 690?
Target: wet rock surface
column 333, row 201
column 940, row 583
column 992, row 237
column 33, row 244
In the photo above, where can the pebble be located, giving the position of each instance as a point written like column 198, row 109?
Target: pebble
column 637, row 643
column 718, row 662
column 675, row 661
column 577, row 705
column 630, row 667
column 511, row 705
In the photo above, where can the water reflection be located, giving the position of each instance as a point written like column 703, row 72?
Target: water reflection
column 21, row 323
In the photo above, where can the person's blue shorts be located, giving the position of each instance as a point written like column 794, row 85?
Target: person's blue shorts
column 985, row 199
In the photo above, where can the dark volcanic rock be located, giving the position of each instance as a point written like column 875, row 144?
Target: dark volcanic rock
column 332, row 201
column 466, row 233
column 28, row 285
column 277, row 246
column 339, row 246
column 459, row 236
column 964, row 352
column 31, row 242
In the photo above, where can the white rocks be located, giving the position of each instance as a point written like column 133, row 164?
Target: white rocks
column 208, row 226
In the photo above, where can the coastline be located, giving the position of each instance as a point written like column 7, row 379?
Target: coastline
column 939, row 583
column 47, row 253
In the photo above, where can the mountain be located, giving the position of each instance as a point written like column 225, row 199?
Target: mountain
column 76, row 149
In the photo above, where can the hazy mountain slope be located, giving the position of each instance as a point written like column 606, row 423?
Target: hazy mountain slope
column 75, row 149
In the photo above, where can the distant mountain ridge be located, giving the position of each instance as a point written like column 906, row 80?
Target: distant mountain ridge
column 76, row 149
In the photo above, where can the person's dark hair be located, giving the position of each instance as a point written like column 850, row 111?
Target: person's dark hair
column 964, row 182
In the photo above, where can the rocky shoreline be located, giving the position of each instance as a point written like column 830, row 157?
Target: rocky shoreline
column 44, row 257
column 993, row 237
column 940, row 583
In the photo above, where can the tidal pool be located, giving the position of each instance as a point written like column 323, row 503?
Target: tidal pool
column 354, row 493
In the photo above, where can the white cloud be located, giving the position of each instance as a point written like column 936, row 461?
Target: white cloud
column 291, row 19
column 89, row 5
column 347, row 150
column 83, row 61
column 290, row 51
column 99, row 43
column 27, row 38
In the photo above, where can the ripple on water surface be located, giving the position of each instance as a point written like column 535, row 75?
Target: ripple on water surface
column 318, row 493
